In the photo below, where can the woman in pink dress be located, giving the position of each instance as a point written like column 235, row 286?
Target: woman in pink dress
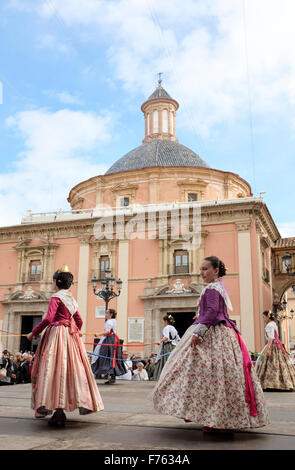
column 62, row 379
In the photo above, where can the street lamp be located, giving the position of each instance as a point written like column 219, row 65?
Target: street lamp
column 107, row 291
column 286, row 259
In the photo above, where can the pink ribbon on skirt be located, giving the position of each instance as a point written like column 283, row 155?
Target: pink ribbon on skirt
column 250, row 396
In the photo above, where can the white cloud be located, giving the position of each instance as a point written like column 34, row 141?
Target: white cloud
column 201, row 47
column 287, row 229
column 56, row 157
column 64, row 97
column 48, row 41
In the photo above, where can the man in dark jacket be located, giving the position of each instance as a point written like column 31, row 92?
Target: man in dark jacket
column 26, row 367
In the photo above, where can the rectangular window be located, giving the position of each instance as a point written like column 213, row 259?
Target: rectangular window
column 104, row 263
column 155, row 122
column 181, row 265
column 35, row 271
column 165, row 121
column 192, row 197
column 124, row 201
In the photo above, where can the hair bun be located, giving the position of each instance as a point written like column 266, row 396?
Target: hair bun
column 222, row 269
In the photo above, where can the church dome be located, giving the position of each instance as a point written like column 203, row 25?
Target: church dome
column 161, row 153
column 160, row 145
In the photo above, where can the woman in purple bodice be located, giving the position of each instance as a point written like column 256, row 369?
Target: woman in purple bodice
column 208, row 378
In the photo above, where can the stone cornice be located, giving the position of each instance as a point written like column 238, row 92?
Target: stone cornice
column 241, row 211
column 155, row 102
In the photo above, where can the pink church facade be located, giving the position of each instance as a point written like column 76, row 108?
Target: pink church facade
column 151, row 219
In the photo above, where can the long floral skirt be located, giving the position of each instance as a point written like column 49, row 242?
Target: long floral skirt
column 275, row 371
column 164, row 353
column 62, row 375
column 206, row 385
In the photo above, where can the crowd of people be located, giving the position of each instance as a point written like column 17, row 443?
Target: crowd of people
column 16, row 368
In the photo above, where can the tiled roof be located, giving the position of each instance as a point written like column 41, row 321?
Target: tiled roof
column 159, row 93
column 285, row 243
column 157, row 153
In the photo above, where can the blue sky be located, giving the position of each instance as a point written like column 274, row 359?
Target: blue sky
column 74, row 76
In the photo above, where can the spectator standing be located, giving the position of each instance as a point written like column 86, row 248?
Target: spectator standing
column 17, row 367
column 6, row 363
column 26, row 368
column 150, row 367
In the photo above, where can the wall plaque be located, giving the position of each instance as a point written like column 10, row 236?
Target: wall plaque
column 100, row 312
column 135, row 330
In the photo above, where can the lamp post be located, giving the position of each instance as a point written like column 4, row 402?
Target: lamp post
column 107, row 291
column 278, row 306
column 286, row 259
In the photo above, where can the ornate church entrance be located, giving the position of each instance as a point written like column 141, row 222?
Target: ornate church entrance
column 182, row 321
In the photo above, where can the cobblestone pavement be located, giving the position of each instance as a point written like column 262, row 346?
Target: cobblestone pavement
column 129, row 422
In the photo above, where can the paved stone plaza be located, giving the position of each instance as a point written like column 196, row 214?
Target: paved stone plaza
column 130, row 422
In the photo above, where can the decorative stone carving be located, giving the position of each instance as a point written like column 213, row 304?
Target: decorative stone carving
column 29, row 294
column 178, row 288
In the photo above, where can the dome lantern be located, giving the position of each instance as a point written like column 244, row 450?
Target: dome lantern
column 159, row 114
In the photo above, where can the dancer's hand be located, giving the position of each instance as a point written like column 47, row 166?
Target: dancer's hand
column 30, row 336
column 195, row 341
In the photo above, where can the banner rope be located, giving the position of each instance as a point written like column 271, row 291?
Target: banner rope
column 104, row 344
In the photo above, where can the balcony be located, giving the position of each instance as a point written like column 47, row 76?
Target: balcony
column 179, row 270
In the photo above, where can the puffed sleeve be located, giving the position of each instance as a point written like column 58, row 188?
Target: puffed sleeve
column 209, row 313
column 52, row 308
column 270, row 330
column 78, row 320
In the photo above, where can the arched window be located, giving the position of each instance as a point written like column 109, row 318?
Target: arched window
column 148, row 123
column 165, row 121
column 172, row 123
column 155, row 122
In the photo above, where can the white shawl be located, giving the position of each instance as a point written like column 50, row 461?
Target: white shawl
column 220, row 287
column 67, row 299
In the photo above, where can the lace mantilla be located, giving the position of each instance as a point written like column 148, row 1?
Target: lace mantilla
column 220, row 287
column 67, row 298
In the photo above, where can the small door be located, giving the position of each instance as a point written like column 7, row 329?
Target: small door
column 28, row 322
column 183, row 320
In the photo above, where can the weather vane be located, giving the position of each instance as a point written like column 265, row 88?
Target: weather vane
column 160, row 78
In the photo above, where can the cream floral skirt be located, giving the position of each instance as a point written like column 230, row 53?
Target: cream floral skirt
column 206, row 385
column 275, row 371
